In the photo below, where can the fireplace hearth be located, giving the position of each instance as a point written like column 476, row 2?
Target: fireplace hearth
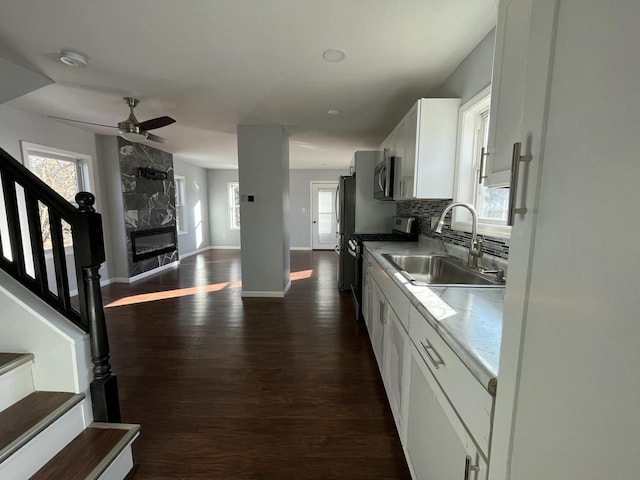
column 153, row 242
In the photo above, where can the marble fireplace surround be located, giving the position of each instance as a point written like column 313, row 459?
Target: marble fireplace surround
column 149, row 203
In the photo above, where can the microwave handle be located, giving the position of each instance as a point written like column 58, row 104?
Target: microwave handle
column 380, row 175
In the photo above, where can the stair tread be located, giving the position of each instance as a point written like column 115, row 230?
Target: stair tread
column 27, row 417
column 8, row 357
column 12, row 360
column 89, row 454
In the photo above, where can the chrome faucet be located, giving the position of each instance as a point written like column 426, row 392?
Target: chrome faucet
column 475, row 247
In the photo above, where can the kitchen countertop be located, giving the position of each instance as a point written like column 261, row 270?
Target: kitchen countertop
column 469, row 319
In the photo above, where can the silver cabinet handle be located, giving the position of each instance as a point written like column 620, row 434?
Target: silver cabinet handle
column 516, row 158
column 483, row 155
column 436, row 361
column 468, row 468
column 381, row 313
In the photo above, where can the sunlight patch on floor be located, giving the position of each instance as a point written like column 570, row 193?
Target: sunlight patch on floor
column 153, row 296
column 183, row 292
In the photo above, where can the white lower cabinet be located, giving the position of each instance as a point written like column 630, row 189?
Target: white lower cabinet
column 436, row 441
column 442, row 413
column 395, row 358
column 376, row 333
column 366, row 296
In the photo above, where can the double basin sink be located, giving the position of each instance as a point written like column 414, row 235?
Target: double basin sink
column 441, row 270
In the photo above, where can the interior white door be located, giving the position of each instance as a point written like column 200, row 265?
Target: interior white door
column 323, row 215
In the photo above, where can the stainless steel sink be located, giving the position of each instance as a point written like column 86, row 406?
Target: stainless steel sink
column 440, row 270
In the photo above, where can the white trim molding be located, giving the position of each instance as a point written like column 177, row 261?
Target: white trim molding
column 266, row 294
column 193, row 252
column 144, row 275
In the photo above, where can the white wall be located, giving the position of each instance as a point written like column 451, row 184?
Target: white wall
column 63, row 361
column 220, row 234
column 472, row 75
column 16, row 126
column 113, row 219
column 197, row 208
column 300, row 201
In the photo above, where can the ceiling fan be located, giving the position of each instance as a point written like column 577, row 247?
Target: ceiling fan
column 131, row 129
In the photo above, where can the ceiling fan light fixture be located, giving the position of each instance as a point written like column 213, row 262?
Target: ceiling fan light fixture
column 73, row 59
column 134, row 137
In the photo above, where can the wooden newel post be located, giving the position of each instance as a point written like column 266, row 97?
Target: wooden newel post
column 104, row 387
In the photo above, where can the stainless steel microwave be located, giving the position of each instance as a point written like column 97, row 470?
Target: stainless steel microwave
column 383, row 179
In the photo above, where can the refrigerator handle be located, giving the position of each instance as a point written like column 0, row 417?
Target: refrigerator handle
column 337, row 204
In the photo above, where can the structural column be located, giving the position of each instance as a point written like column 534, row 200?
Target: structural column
column 263, row 164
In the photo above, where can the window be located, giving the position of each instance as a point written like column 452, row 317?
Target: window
column 491, row 203
column 234, row 205
column 65, row 172
column 181, row 203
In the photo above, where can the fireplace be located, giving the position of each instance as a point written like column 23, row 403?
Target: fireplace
column 152, row 242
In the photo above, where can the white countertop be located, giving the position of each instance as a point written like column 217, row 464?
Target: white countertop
column 469, row 319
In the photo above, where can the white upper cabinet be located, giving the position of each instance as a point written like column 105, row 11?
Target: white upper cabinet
column 424, row 143
column 507, row 88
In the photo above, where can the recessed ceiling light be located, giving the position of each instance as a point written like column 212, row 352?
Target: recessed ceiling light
column 334, row 55
column 334, row 111
column 73, row 59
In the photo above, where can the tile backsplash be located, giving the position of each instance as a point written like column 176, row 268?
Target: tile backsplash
column 423, row 210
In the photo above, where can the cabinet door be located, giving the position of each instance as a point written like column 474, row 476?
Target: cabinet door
column 377, row 325
column 366, row 296
column 396, row 343
column 367, row 264
column 507, row 88
column 437, row 445
column 408, row 159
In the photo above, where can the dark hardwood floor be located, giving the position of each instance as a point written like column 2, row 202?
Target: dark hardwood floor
column 227, row 388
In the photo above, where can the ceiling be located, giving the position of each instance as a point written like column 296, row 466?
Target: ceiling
column 215, row 64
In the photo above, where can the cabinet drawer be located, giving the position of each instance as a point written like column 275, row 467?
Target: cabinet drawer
column 394, row 295
column 467, row 396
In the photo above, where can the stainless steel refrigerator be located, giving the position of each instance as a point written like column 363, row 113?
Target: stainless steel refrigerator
column 358, row 212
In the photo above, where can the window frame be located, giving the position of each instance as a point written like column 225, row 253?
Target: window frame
column 82, row 161
column 182, row 224
column 83, row 164
column 467, row 168
column 231, row 186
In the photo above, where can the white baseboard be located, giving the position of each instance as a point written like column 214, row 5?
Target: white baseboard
column 300, row 248
column 267, row 294
column 144, row 275
column 222, row 247
column 195, row 252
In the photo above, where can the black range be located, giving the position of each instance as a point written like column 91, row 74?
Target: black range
column 405, row 229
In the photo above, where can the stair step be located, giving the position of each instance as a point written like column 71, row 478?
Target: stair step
column 16, row 377
column 89, row 455
column 9, row 361
column 25, row 419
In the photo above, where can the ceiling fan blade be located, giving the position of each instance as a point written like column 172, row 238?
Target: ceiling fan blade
column 156, row 123
column 80, row 121
column 156, row 138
